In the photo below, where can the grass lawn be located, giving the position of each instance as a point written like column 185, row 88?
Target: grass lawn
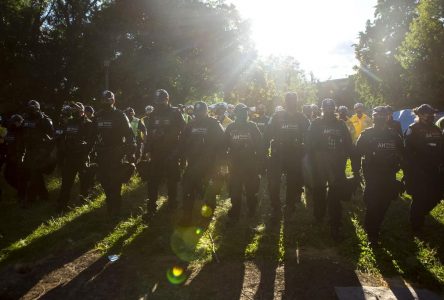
column 52, row 256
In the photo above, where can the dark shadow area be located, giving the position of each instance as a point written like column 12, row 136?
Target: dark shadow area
column 17, row 223
column 48, row 253
column 223, row 276
column 400, row 244
column 396, row 257
column 267, row 260
column 122, row 278
column 313, row 267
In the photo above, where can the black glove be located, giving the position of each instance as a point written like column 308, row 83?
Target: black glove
column 357, row 176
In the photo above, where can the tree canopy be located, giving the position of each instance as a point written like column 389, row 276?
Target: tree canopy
column 60, row 50
column 400, row 54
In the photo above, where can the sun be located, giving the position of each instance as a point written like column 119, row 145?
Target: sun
column 318, row 33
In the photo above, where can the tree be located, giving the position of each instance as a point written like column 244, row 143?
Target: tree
column 54, row 50
column 379, row 77
column 421, row 54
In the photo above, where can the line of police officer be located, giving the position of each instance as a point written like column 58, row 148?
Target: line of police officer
column 311, row 153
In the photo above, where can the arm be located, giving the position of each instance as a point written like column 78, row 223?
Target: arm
column 361, row 145
column 130, row 139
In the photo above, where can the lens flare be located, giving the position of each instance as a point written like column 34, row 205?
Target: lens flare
column 206, row 211
column 183, row 242
column 176, row 275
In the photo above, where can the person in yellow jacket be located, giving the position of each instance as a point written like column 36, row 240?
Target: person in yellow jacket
column 360, row 121
column 220, row 112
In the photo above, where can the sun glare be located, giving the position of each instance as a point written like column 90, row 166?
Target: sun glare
column 318, row 33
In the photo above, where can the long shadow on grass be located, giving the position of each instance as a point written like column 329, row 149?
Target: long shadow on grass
column 267, row 260
column 223, row 277
column 140, row 271
column 398, row 253
column 313, row 266
column 142, row 264
column 16, row 222
column 62, row 246
column 400, row 247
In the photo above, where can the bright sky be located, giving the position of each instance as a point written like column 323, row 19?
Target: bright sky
column 318, row 33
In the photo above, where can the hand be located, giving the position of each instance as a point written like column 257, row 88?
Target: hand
column 401, row 186
column 357, row 176
column 131, row 158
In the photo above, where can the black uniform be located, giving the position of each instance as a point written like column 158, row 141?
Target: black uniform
column 329, row 145
column 114, row 140
column 424, row 169
column 201, row 146
column 14, row 151
column 245, row 156
column 163, row 130
column 59, row 130
column 286, row 133
column 261, row 122
column 395, row 126
column 38, row 133
column 382, row 150
column 77, row 140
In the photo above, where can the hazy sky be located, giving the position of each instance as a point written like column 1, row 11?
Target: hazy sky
column 318, row 33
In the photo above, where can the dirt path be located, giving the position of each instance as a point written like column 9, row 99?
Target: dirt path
column 305, row 274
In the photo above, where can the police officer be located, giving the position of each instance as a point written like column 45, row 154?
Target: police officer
column 148, row 111
column 306, row 110
column 164, row 127
column 285, row 134
column 89, row 112
column 393, row 124
column 381, row 149
column 220, row 112
column 261, row 119
column 138, row 128
column 329, row 145
column 424, row 168
column 243, row 142
column 114, row 140
column 77, row 140
column 59, row 130
column 343, row 115
column 14, row 150
column 315, row 112
column 189, row 110
column 202, row 146
column 38, row 134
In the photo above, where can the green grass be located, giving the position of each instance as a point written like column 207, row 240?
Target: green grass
column 38, row 233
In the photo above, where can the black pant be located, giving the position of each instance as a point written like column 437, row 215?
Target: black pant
column 35, row 163
column 70, row 168
column 294, row 180
column 240, row 178
column 427, row 192
column 329, row 171
column 161, row 169
column 109, row 167
column 14, row 177
column 35, row 186
column 196, row 180
column 380, row 190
